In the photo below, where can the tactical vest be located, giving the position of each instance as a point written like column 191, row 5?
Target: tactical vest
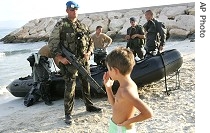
column 136, row 41
column 75, row 37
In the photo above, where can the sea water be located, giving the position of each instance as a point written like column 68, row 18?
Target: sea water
column 14, row 64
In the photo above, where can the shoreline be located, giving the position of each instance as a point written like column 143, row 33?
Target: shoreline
column 174, row 113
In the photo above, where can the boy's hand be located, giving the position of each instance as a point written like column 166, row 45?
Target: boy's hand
column 107, row 80
column 125, row 123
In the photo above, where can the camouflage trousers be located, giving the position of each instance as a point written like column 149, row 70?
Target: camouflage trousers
column 69, row 74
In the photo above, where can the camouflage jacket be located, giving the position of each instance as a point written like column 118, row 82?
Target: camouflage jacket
column 73, row 35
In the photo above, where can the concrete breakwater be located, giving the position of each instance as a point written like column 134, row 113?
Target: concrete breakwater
column 178, row 18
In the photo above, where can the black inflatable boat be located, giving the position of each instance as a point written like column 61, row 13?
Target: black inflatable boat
column 145, row 72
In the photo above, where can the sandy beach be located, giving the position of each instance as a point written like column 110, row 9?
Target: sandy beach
column 172, row 114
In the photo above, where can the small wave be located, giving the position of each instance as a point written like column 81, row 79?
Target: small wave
column 3, row 90
column 8, row 53
column 2, row 54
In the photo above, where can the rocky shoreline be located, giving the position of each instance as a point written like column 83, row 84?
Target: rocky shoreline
column 178, row 18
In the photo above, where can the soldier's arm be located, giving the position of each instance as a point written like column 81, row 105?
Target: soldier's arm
column 54, row 41
column 127, row 37
column 108, row 40
column 90, row 47
column 140, row 34
column 161, row 33
column 54, row 44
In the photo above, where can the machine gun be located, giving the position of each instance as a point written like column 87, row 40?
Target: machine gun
column 74, row 61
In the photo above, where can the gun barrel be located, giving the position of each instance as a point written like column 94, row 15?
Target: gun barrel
column 71, row 57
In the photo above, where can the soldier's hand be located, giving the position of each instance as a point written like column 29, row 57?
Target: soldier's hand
column 127, row 37
column 87, row 55
column 64, row 61
column 134, row 36
column 61, row 59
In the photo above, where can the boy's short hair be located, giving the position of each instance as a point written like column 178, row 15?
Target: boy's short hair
column 122, row 59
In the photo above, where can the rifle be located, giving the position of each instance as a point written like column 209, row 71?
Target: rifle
column 74, row 61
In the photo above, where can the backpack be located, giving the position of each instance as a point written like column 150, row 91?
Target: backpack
column 162, row 29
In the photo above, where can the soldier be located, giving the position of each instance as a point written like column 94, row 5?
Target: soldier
column 73, row 35
column 136, row 38
column 156, row 36
column 101, row 42
column 41, row 73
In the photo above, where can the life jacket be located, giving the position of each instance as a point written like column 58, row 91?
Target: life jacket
column 75, row 37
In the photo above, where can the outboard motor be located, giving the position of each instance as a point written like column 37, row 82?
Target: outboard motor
column 100, row 56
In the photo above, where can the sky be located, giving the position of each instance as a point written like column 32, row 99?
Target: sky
column 15, row 13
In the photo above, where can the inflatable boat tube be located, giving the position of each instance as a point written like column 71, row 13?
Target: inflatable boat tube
column 145, row 72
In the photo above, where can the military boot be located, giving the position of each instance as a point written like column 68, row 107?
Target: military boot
column 68, row 119
column 92, row 108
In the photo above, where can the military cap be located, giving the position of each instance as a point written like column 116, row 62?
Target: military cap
column 71, row 4
column 133, row 19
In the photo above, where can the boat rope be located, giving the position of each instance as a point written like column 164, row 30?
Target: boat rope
column 164, row 66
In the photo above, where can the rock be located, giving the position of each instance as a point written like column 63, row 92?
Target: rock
column 184, row 22
column 172, row 12
column 103, row 23
column 191, row 11
column 178, row 34
column 178, row 18
column 87, row 21
column 114, row 15
column 116, row 24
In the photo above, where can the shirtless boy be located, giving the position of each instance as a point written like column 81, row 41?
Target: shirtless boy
column 126, row 101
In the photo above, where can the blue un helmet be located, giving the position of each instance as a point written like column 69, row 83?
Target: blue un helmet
column 71, row 4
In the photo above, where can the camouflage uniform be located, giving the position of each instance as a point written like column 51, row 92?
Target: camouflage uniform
column 136, row 44
column 75, row 37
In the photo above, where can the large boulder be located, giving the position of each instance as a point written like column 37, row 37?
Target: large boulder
column 179, row 20
column 103, row 23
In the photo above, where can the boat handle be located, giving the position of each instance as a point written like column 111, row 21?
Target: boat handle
column 16, row 84
column 145, row 65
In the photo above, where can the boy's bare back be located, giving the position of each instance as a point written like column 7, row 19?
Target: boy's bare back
column 123, row 108
column 126, row 102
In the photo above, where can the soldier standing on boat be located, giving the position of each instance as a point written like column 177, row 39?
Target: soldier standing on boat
column 155, row 34
column 136, row 38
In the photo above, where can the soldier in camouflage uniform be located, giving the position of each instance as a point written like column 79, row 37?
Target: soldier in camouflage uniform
column 74, row 36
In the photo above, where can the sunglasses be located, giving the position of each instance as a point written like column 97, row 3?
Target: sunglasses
column 73, row 9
